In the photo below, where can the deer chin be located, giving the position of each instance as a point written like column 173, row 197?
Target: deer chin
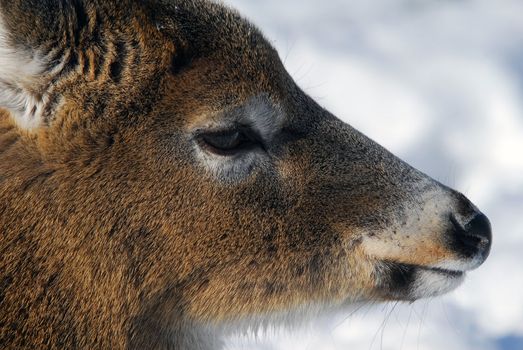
column 398, row 281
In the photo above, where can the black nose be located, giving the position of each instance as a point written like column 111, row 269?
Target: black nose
column 475, row 238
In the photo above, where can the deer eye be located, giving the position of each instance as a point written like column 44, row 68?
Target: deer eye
column 227, row 142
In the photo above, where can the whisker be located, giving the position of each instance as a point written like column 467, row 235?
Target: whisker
column 406, row 328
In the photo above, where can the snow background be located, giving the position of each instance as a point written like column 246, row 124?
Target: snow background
column 440, row 84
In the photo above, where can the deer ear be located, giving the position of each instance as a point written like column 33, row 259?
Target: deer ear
column 23, row 76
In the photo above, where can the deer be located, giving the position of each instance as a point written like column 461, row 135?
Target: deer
column 163, row 179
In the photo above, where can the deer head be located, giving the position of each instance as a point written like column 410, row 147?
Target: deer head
column 162, row 176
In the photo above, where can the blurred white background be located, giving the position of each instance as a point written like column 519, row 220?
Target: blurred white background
column 440, row 84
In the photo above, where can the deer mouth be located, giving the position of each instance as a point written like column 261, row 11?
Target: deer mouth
column 449, row 273
column 398, row 281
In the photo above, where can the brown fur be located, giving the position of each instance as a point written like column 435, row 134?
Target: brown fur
column 113, row 236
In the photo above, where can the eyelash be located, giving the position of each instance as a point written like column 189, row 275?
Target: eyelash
column 228, row 142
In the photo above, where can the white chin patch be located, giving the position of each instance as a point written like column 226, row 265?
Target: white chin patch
column 431, row 283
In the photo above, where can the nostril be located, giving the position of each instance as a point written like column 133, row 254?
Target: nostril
column 479, row 227
column 476, row 236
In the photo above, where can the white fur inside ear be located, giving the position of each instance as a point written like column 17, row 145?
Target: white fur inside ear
column 21, row 82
